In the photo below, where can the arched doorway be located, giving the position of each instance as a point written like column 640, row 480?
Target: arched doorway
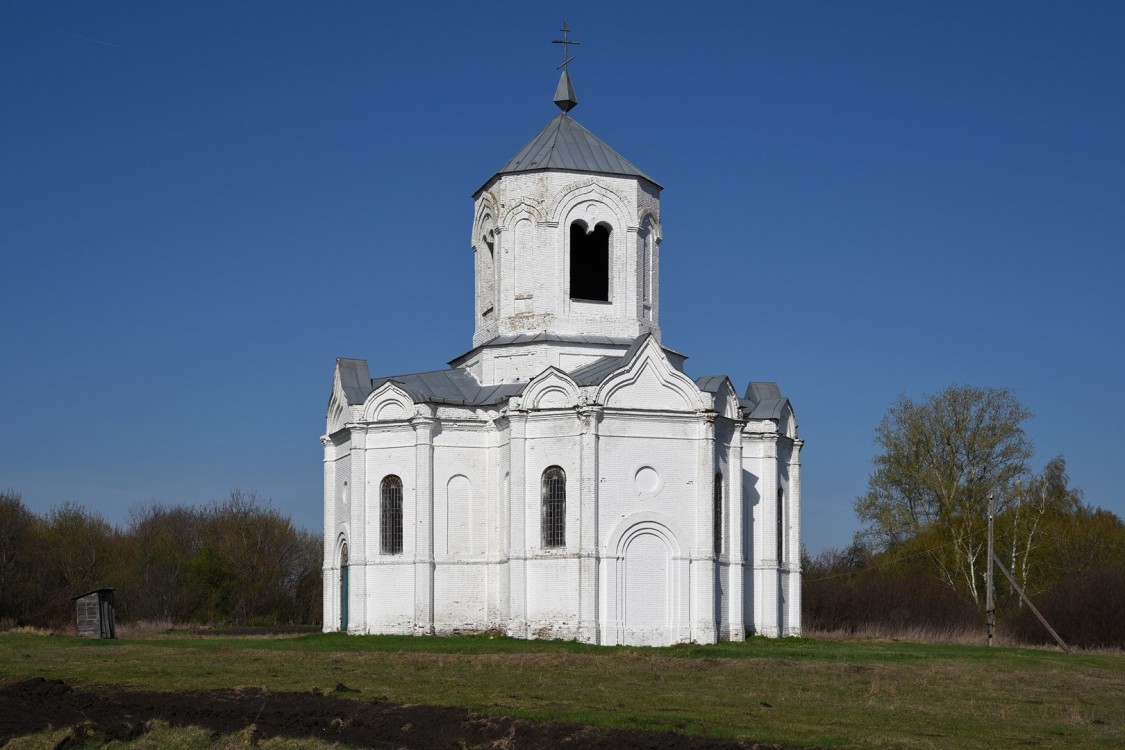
column 344, row 588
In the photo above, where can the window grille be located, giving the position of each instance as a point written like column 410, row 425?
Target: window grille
column 718, row 529
column 390, row 515
column 554, row 507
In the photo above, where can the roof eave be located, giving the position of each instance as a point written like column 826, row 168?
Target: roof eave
column 492, row 180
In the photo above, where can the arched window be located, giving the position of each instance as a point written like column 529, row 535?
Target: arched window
column 646, row 247
column 390, row 515
column 486, row 273
column 523, row 251
column 718, row 501
column 344, row 588
column 589, row 262
column 554, row 507
column 780, row 524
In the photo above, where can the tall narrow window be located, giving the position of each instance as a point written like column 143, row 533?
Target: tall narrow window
column 554, row 507
column 486, row 273
column 589, row 262
column 344, row 588
column 642, row 247
column 646, row 244
column 718, row 529
column 780, row 524
column 390, row 515
column 525, row 266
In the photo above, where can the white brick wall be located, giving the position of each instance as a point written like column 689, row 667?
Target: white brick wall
column 639, row 488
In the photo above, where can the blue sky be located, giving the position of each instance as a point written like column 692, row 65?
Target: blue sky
column 203, row 204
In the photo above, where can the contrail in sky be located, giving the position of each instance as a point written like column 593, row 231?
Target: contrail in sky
column 79, row 36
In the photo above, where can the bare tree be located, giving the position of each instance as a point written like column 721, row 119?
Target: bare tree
column 17, row 557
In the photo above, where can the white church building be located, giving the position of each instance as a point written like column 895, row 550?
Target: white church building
column 564, row 478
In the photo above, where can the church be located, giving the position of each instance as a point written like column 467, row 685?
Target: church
column 564, row 477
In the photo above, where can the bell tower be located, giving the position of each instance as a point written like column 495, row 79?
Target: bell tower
column 566, row 242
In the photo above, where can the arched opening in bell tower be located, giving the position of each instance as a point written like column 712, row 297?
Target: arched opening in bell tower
column 589, row 261
column 486, row 272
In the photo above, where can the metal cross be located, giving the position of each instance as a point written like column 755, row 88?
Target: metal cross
column 565, row 42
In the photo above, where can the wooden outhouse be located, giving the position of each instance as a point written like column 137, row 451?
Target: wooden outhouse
column 95, row 614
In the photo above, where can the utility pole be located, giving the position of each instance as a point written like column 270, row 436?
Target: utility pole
column 990, row 594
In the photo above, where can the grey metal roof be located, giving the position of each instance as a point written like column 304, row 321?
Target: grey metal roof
column 453, row 386
column 574, row 338
column 517, row 339
column 598, row 370
column 595, row 372
column 457, row 387
column 763, row 401
column 354, row 379
column 567, row 146
column 710, row 383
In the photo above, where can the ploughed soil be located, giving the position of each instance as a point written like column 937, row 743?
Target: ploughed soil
column 36, row 704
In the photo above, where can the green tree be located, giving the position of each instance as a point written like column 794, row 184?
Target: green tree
column 1077, row 580
column 1041, row 505
column 214, row 581
column 253, row 563
column 940, row 459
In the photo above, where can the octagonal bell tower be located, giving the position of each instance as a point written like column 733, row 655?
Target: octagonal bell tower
column 566, row 242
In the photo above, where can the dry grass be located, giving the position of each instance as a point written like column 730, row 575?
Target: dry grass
column 31, row 630
column 942, row 636
column 919, row 634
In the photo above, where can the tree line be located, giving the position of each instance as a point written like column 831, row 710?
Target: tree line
column 942, row 465
column 235, row 561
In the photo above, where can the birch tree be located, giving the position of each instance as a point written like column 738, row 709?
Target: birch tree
column 939, row 461
column 1040, row 503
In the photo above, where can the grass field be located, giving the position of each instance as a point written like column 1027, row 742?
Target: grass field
column 802, row 692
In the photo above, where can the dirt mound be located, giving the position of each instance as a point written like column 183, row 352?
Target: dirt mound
column 32, row 705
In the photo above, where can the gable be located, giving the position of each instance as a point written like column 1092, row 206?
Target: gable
column 648, row 381
column 350, row 385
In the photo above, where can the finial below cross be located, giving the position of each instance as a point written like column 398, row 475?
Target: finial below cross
column 565, row 42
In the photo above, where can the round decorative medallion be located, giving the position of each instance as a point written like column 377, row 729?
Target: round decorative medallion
column 647, row 480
